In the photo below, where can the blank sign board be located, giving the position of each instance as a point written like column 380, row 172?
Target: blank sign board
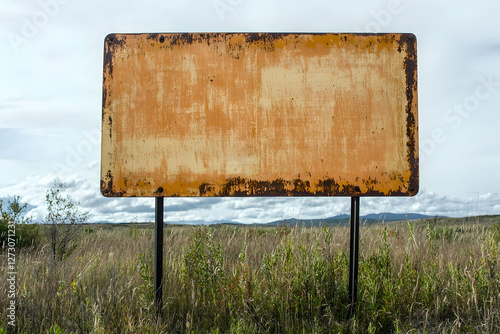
column 259, row 114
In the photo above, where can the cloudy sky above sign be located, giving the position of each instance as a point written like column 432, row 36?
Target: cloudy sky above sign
column 50, row 105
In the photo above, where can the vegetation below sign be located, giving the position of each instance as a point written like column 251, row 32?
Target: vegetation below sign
column 435, row 276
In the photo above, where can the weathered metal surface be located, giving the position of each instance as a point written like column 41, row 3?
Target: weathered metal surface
column 244, row 114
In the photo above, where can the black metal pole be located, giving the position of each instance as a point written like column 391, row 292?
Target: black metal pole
column 353, row 255
column 158, row 253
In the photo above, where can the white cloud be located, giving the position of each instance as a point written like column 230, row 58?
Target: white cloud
column 51, row 99
column 245, row 210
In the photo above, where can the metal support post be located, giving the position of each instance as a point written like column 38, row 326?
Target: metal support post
column 353, row 255
column 158, row 253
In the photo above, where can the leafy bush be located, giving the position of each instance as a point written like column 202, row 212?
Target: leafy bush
column 27, row 233
column 146, row 290
column 64, row 219
column 203, row 271
column 496, row 231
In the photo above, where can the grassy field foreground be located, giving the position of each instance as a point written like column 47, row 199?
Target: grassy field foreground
column 422, row 277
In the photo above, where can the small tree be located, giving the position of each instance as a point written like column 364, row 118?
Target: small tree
column 65, row 219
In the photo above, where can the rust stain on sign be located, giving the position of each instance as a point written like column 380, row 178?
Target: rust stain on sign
column 244, row 114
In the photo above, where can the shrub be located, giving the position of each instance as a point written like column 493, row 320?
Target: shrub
column 27, row 233
column 64, row 219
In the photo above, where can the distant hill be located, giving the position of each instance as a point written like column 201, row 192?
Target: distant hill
column 390, row 217
column 202, row 222
column 344, row 220
column 339, row 220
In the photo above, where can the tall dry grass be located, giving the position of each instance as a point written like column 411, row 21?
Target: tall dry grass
column 422, row 277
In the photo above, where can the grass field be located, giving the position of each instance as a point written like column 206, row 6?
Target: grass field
column 437, row 276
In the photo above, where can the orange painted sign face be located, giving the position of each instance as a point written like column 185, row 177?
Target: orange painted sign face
column 259, row 114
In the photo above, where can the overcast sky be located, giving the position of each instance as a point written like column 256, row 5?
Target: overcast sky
column 51, row 56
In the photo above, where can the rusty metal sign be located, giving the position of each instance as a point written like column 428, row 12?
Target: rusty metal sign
column 259, row 114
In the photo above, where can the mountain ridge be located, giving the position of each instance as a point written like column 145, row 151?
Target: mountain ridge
column 338, row 220
column 344, row 219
